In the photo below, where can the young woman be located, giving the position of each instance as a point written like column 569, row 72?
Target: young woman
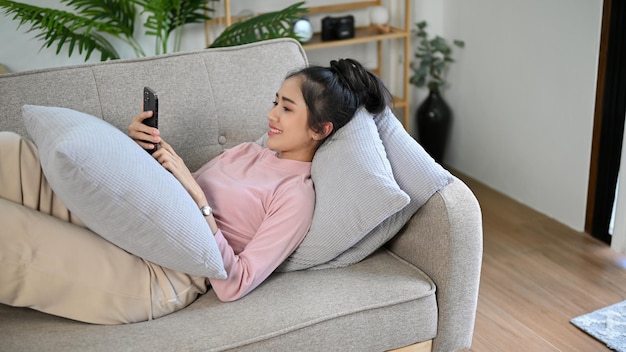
column 257, row 201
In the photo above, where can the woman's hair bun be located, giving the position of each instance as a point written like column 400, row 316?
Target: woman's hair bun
column 369, row 89
column 335, row 93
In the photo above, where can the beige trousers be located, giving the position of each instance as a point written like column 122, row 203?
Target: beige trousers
column 50, row 262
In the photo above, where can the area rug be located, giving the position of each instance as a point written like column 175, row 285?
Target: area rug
column 607, row 325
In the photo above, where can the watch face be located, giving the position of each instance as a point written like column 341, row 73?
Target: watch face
column 303, row 29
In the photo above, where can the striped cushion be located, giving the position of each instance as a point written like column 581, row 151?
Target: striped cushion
column 417, row 174
column 120, row 192
column 355, row 192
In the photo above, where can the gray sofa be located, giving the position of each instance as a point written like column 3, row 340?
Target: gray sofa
column 419, row 290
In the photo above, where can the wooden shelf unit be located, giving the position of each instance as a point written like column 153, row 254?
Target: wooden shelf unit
column 363, row 35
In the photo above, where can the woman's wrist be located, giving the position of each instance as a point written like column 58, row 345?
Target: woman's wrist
column 212, row 223
column 199, row 197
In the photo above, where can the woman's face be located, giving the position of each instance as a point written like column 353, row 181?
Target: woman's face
column 289, row 131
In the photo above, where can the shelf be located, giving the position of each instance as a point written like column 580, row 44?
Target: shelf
column 343, row 7
column 361, row 35
column 399, row 102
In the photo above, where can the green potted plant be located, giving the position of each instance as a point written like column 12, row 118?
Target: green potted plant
column 433, row 116
column 90, row 22
column 85, row 29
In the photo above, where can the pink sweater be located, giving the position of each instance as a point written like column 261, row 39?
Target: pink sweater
column 263, row 206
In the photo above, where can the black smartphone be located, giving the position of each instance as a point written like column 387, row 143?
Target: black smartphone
column 151, row 103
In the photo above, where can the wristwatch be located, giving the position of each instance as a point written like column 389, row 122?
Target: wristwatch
column 206, row 210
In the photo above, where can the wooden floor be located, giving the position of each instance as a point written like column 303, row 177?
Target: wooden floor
column 537, row 275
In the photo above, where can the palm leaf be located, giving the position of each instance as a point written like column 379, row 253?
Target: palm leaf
column 190, row 11
column 64, row 28
column 165, row 16
column 155, row 23
column 87, row 27
column 118, row 16
column 116, row 13
column 270, row 25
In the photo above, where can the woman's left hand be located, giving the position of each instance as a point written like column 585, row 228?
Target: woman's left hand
column 167, row 157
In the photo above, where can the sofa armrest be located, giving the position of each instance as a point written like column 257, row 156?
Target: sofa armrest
column 444, row 239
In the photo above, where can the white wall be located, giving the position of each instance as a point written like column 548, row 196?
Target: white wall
column 522, row 90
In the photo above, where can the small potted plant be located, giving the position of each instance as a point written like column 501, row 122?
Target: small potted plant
column 433, row 56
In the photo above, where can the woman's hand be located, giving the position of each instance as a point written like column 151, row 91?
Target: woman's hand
column 147, row 137
column 167, row 157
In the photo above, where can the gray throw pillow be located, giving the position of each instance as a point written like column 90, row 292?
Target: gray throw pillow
column 120, row 192
column 355, row 191
column 416, row 172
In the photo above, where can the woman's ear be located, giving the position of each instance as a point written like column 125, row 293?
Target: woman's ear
column 328, row 128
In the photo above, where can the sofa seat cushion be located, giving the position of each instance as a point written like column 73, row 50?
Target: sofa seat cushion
column 382, row 301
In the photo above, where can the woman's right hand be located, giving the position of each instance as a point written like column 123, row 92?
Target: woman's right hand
column 147, row 137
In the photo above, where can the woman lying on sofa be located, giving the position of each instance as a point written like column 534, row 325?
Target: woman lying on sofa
column 257, row 201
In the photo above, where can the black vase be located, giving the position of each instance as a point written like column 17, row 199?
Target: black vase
column 433, row 124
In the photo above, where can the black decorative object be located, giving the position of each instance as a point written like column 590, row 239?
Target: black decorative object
column 434, row 117
column 335, row 28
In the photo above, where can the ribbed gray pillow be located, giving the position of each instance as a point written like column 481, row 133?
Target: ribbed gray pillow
column 120, row 192
column 355, row 191
column 416, row 172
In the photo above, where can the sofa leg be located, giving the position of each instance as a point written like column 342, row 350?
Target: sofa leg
column 425, row 346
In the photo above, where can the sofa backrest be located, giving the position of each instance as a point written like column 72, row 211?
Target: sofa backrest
column 209, row 100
